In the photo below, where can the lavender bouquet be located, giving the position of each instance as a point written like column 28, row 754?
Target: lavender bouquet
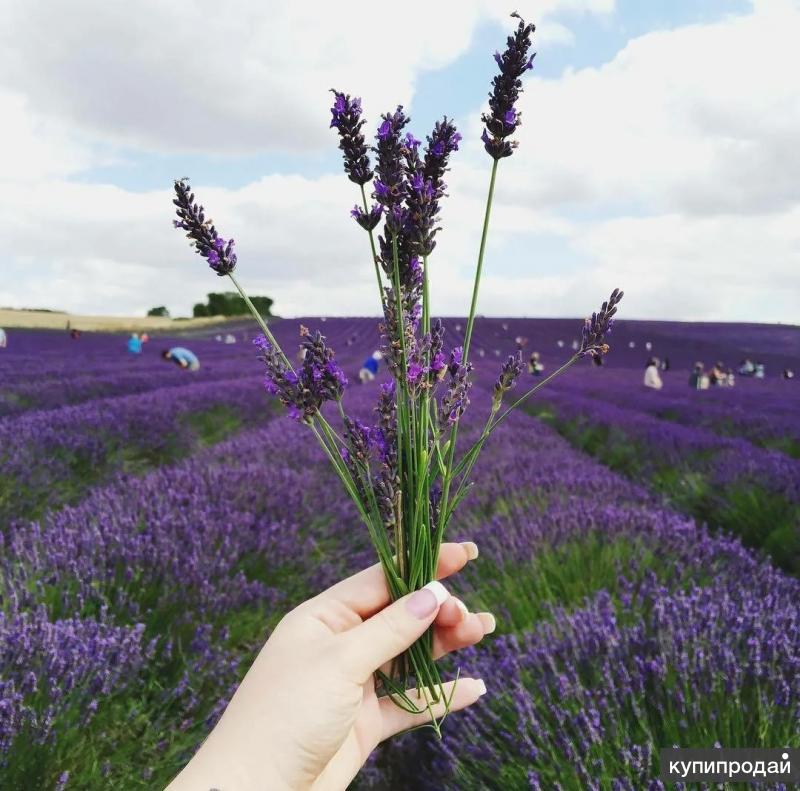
column 403, row 474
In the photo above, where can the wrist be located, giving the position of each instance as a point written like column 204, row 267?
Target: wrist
column 223, row 764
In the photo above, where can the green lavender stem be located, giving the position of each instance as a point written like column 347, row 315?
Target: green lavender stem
column 479, row 267
column 372, row 247
column 451, row 451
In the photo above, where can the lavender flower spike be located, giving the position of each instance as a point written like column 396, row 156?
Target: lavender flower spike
column 503, row 118
column 389, row 185
column 319, row 379
column 509, row 374
column 598, row 326
column 346, row 117
column 425, row 185
column 456, row 399
column 192, row 218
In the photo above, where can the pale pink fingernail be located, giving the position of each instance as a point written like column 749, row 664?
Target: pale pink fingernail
column 481, row 687
column 427, row 600
column 471, row 549
column 488, row 622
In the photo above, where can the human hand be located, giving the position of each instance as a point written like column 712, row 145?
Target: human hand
column 306, row 714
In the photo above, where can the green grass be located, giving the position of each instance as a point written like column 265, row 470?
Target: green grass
column 521, row 595
column 761, row 519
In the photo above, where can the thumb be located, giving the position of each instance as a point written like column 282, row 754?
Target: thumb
column 388, row 633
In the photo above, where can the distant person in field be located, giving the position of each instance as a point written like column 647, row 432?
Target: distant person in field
column 760, row 371
column 665, row 364
column 182, row 357
column 74, row 334
column 747, row 367
column 369, row 369
column 3, row 338
column 730, row 378
column 135, row 345
column 698, row 380
column 718, row 377
column 535, row 366
column 788, row 373
column 652, row 378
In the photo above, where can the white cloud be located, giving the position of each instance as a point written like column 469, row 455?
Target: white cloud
column 196, row 75
column 36, row 147
column 701, row 119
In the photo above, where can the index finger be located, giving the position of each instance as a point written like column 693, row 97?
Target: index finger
column 365, row 593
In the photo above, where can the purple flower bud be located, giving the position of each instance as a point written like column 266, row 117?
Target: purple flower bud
column 385, row 129
column 367, row 220
column 191, row 217
column 598, row 326
column 346, row 119
column 415, row 373
column 502, row 119
column 509, row 374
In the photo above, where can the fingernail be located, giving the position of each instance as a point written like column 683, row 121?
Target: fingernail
column 481, row 687
column 489, row 622
column 427, row 600
column 471, row 548
column 462, row 607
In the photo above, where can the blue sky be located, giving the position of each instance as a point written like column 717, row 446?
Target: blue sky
column 656, row 151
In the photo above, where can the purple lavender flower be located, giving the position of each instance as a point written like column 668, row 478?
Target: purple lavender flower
column 346, row 117
column 389, row 167
column 320, row 378
column 387, row 419
column 360, row 439
column 387, row 481
column 456, row 400
column 503, row 119
column 598, row 326
column 438, row 360
column 509, row 374
column 442, row 141
column 414, row 374
column 456, row 355
column 425, row 187
column 191, row 218
column 367, row 220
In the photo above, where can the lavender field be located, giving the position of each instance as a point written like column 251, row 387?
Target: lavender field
column 641, row 550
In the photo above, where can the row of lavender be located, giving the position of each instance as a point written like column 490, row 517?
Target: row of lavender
column 629, row 628
column 763, row 412
column 46, row 370
column 132, row 613
column 726, row 482
column 48, row 457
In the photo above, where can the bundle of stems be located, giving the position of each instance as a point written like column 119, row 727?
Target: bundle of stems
column 403, row 474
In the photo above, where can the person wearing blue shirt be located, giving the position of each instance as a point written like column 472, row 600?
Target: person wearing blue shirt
column 370, row 368
column 135, row 344
column 182, row 357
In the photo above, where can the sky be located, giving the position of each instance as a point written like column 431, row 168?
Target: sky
column 659, row 152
